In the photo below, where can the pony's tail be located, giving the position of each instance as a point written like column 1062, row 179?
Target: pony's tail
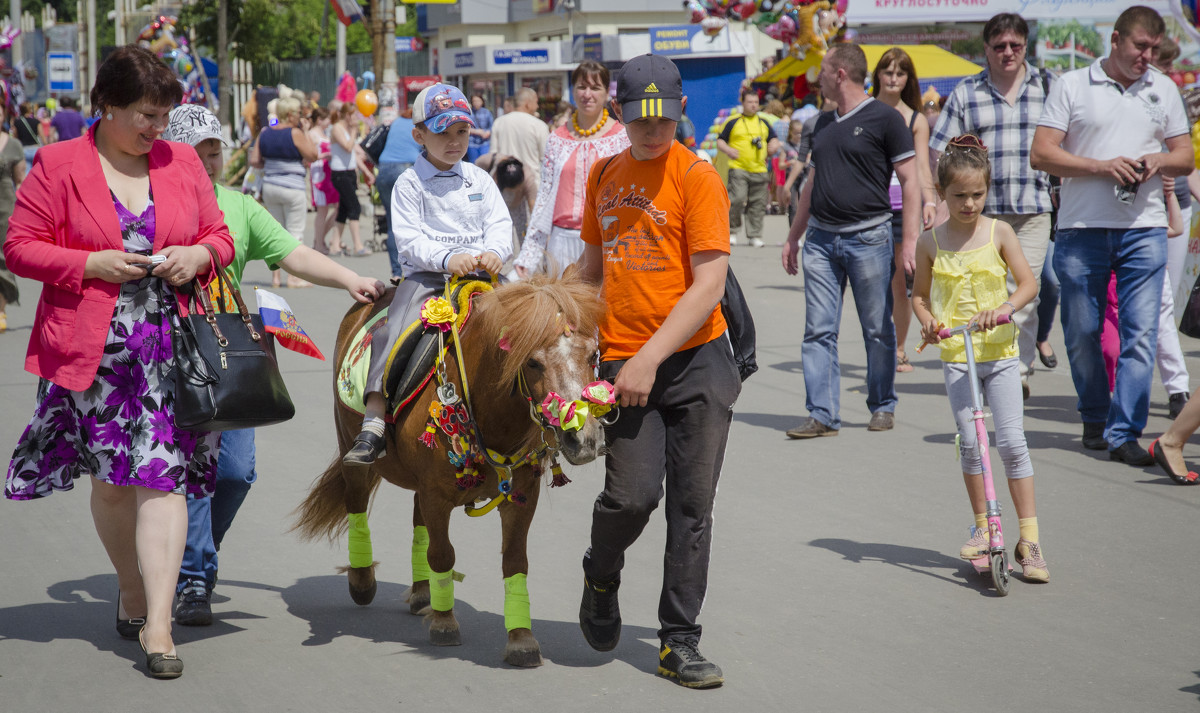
column 323, row 511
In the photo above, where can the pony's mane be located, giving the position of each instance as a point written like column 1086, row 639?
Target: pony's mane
column 533, row 313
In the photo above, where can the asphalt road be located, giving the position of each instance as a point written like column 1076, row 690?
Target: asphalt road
column 835, row 581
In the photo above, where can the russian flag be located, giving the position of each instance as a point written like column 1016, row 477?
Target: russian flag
column 278, row 319
column 348, row 11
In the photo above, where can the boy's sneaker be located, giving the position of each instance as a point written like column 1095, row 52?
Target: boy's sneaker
column 682, row 661
column 756, row 243
column 1033, row 565
column 599, row 614
column 978, row 546
column 193, row 607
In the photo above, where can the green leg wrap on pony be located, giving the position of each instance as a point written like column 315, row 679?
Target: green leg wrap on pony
column 441, row 590
column 516, row 603
column 359, row 540
column 420, row 552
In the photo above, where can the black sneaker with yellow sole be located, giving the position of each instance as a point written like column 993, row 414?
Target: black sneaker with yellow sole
column 683, row 662
column 600, row 614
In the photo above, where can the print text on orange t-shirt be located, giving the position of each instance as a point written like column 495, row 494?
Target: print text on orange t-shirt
column 649, row 217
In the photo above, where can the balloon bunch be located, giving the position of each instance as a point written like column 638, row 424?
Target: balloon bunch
column 803, row 25
column 160, row 37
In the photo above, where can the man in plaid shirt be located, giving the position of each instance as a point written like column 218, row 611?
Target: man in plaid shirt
column 1001, row 105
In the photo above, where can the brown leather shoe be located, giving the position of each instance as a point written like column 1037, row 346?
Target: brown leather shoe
column 882, row 421
column 811, row 428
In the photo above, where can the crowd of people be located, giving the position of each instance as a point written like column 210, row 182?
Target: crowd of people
column 950, row 211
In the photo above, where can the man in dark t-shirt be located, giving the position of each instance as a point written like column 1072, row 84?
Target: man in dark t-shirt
column 846, row 212
column 67, row 122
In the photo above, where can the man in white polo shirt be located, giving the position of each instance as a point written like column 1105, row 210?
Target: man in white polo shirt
column 1103, row 130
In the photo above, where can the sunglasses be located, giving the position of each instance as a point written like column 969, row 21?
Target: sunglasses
column 1000, row 47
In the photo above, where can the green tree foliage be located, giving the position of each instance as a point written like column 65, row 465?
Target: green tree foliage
column 264, row 30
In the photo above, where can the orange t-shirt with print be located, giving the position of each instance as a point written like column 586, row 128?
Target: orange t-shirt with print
column 649, row 217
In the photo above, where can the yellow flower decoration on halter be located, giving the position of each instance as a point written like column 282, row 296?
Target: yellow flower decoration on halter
column 437, row 312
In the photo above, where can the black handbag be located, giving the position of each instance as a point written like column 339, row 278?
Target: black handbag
column 226, row 376
column 1189, row 323
column 740, row 325
column 374, row 142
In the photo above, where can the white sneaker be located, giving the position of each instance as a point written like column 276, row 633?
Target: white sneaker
column 733, row 238
column 756, row 243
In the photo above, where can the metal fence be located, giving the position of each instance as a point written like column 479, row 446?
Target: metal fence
column 320, row 73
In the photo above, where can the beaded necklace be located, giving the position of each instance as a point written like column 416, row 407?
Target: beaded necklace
column 594, row 129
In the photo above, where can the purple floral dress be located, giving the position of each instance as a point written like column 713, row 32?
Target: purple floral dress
column 121, row 430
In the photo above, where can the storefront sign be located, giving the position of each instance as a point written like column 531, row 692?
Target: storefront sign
column 542, row 7
column 409, row 44
column 464, row 60
column 687, row 39
column 918, row 11
column 521, row 56
column 590, row 46
column 60, row 71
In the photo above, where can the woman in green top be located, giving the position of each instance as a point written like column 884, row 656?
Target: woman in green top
column 256, row 236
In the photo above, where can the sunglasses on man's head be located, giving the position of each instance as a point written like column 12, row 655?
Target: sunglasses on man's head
column 1000, row 47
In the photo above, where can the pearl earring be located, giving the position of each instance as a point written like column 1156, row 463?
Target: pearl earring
column 108, row 116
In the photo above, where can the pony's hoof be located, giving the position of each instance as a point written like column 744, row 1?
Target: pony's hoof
column 522, row 656
column 419, row 605
column 362, row 583
column 363, row 597
column 417, row 596
column 522, row 649
column 445, row 637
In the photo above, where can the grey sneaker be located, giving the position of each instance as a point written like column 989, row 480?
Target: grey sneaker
column 683, row 662
column 882, row 421
column 193, row 607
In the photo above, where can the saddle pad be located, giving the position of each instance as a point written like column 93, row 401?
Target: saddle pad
column 352, row 372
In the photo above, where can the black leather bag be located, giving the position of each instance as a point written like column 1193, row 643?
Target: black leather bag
column 1189, row 323
column 226, row 376
column 374, row 142
column 740, row 325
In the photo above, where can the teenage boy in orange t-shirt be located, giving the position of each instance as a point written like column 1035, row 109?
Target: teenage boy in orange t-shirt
column 656, row 239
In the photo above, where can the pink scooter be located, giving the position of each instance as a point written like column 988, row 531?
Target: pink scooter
column 997, row 558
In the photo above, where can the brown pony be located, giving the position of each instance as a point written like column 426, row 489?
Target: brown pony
column 522, row 341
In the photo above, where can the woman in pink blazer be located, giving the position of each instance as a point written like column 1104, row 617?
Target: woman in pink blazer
column 87, row 219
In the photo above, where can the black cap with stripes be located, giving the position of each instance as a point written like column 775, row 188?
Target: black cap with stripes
column 649, row 85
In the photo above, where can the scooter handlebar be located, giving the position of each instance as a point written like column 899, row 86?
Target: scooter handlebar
column 947, row 333
column 971, row 327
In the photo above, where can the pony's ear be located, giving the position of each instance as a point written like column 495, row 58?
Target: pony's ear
column 572, row 272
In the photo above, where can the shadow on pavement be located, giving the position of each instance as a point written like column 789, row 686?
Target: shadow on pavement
column 912, row 559
column 774, row 421
column 76, row 614
column 324, row 602
column 1193, row 689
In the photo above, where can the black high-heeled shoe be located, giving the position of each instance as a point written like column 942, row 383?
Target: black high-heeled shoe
column 161, row 665
column 128, row 628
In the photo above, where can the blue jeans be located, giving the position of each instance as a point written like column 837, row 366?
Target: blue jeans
column 829, row 260
column 389, row 173
column 1048, row 296
column 1083, row 260
column 209, row 518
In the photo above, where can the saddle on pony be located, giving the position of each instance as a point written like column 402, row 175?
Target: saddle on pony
column 414, row 357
